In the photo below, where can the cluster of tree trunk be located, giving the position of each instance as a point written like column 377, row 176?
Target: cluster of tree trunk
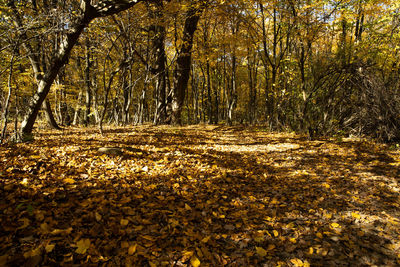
column 274, row 64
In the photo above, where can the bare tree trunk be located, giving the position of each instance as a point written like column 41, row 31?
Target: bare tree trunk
column 216, row 101
column 139, row 118
column 252, row 72
column 182, row 72
column 77, row 109
column 232, row 95
column 88, row 98
column 160, row 61
column 105, row 105
column 5, row 113
column 209, row 97
column 49, row 115
column 195, row 90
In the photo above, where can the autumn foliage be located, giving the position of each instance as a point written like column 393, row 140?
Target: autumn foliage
column 199, row 196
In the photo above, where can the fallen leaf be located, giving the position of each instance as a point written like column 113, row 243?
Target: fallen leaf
column 261, row 252
column 297, row 262
column 61, row 231
column 98, row 216
column 194, row 261
column 132, row 249
column 49, row 247
column 82, row 246
column 335, row 225
column 276, row 234
column 205, row 239
column 69, row 181
column 124, row 222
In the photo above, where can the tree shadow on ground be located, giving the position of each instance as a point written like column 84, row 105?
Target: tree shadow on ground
column 259, row 207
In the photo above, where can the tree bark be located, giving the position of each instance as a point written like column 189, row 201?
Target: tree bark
column 88, row 98
column 182, row 72
column 49, row 115
column 5, row 113
column 160, row 61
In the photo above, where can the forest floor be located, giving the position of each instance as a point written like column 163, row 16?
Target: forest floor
column 198, row 195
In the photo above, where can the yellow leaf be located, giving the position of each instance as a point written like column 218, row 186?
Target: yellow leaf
column 187, row 207
column 61, row 231
column 124, row 222
column 187, row 253
column 82, row 246
column 205, row 239
column 271, row 247
column 69, row 181
column 297, row 262
column 310, row 250
column 132, row 249
column 319, row 235
column 261, row 252
column 194, row 261
column 306, row 264
column 275, row 233
column 98, row 216
column 293, row 240
column 335, row 225
column 355, row 215
column 152, row 264
column 49, row 248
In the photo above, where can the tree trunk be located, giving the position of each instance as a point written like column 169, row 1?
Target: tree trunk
column 77, row 109
column 88, row 99
column 5, row 113
column 182, row 72
column 160, row 61
column 49, row 115
column 232, row 96
column 209, row 97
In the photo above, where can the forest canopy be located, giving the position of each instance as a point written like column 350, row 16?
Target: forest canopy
column 320, row 67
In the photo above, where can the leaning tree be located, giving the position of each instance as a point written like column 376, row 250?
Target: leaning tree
column 77, row 16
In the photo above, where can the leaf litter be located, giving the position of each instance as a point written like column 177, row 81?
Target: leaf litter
column 198, row 196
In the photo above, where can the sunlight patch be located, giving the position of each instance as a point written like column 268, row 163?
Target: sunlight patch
column 281, row 147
